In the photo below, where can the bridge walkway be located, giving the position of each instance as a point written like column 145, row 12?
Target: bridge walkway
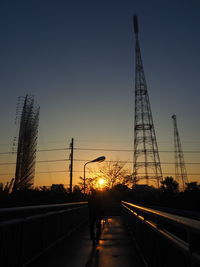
column 115, row 249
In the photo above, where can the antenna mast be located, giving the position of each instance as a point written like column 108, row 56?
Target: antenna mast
column 146, row 156
column 180, row 168
column 27, row 144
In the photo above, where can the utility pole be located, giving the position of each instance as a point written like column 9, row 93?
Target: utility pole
column 180, row 168
column 71, row 157
column 146, row 160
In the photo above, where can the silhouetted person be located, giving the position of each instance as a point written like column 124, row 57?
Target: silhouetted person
column 95, row 215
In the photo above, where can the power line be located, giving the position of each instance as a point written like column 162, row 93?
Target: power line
column 39, row 150
column 64, row 171
column 99, row 149
column 59, row 171
column 131, row 150
column 85, row 160
column 39, row 161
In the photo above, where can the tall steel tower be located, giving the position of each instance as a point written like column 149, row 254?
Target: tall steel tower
column 146, row 157
column 27, row 142
column 180, row 168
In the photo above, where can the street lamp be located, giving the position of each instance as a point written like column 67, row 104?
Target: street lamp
column 99, row 159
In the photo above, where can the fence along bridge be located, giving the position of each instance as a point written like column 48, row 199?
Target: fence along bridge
column 132, row 235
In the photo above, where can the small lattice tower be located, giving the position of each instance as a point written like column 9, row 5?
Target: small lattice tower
column 27, row 143
column 180, row 168
column 146, row 164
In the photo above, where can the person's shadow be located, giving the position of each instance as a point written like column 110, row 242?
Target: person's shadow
column 93, row 260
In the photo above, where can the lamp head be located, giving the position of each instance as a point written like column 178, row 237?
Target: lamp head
column 99, row 159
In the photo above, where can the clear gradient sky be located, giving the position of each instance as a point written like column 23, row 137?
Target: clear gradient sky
column 77, row 59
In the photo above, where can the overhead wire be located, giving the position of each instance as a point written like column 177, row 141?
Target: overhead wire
column 85, row 160
column 98, row 149
column 64, row 171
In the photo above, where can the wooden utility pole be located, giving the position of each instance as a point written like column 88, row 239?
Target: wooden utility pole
column 71, row 157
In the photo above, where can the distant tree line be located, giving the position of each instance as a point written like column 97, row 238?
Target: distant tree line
column 167, row 195
column 56, row 193
column 118, row 186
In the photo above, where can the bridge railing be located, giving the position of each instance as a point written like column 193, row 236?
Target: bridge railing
column 164, row 239
column 27, row 232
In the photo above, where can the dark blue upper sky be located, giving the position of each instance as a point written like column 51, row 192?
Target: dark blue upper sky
column 77, row 58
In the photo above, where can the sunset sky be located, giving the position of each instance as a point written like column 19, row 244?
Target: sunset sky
column 77, row 59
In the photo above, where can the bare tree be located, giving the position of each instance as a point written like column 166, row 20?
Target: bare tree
column 89, row 183
column 113, row 172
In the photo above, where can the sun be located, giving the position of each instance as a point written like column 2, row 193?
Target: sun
column 101, row 181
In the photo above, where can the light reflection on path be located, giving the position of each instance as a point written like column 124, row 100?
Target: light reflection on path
column 115, row 247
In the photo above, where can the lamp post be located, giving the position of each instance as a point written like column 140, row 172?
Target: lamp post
column 99, row 159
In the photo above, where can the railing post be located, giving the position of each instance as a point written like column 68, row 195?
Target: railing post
column 194, row 248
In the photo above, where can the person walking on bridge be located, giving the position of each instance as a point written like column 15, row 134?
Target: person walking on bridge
column 95, row 215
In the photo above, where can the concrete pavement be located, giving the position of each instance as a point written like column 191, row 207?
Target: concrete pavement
column 115, row 249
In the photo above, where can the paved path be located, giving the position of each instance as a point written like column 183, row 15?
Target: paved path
column 115, row 249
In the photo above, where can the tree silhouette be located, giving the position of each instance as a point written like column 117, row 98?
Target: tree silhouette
column 192, row 186
column 113, row 173
column 169, row 185
column 90, row 182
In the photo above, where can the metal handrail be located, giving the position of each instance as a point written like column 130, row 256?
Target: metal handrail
column 36, row 229
column 18, row 212
column 182, row 233
column 189, row 223
column 39, row 207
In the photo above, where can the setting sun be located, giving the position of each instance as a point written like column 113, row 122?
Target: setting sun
column 101, row 181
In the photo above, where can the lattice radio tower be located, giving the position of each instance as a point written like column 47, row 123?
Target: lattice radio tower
column 27, row 142
column 180, row 168
column 146, row 157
